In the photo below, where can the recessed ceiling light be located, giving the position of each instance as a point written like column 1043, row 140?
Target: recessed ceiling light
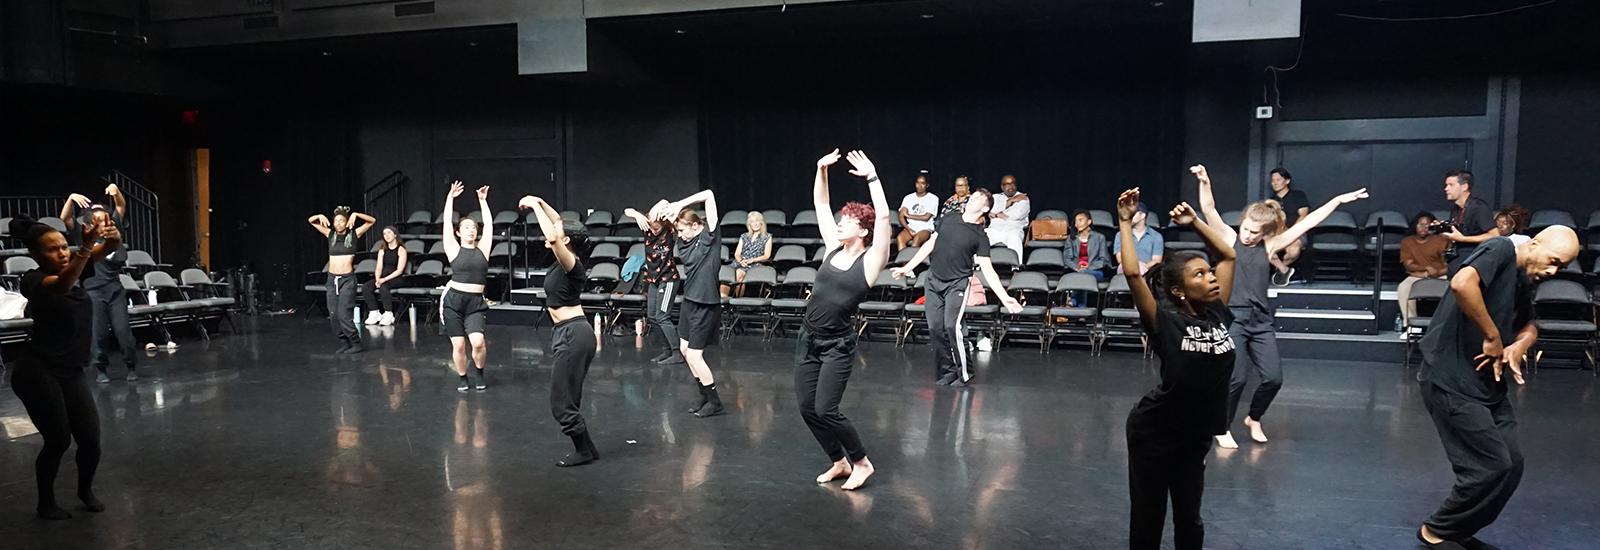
column 927, row 16
column 472, row 43
column 680, row 31
column 326, row 53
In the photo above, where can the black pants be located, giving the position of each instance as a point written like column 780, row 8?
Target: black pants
column 341, row 295
column 1481, row 443
column 62, row 409
column 946, row 302
column 1163, row 463
column 659, row 301
column 822, row 370
column 573, row 344
column 1255, row 337
column 111, row 329
column 371, row 293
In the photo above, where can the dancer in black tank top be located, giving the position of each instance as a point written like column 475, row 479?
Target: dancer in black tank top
column 342, row 235
column 1261, row 236
column 462, row 309
column 391, row 266
column 826, row 350
column 572, row 340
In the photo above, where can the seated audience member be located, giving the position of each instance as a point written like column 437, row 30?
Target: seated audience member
column 1008, row 220
column 1422, row 254
column 916, row 215
column 958, row 199
column 1147, row 242
column 1086, row 250
column 1512, row 222
column 1295, row 205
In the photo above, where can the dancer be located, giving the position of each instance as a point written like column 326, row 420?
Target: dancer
column 1260, row 237
column 49, row 377
column 572, row 339
column 958, row 245
column 826, row 350
column 462, row 310
column 341, row 285
column 1182, row 304
column 1464, row 359
column 660, row 273
column 699, row 315
column 104, row 284
column 391, row 266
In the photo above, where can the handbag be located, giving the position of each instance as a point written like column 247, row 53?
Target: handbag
column 1048, row 229
column 12, row 305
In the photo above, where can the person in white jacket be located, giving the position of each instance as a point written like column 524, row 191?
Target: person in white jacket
column 1008, row 221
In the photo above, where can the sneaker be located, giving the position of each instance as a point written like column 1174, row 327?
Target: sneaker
column 463, row 386
column 133, row 376
column 373, row 317
column 985, row 344
column 102, row 378
column 482, row 385
column 663, row 356
column 1281, row 278
column 387, row 319
column 674, row 359
column 946, row 379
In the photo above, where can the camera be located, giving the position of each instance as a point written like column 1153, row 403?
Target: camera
column 1441, row 227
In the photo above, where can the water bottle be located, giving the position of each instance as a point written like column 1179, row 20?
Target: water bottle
column 1398, row 326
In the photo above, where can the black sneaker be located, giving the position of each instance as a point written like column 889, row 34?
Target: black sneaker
column 482, row 385
column 946, row 379
column 663, row 356
column 463, row 386
column 674, row 359
column 102, row 378
column 132, row 376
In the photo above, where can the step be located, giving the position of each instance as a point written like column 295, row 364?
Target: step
column 527, row 297
column 514, row 314
column 1325, row 321
column 1384, row 347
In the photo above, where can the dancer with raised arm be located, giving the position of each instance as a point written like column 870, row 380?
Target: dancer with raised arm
column 104, row 283
column 700, row 313
column 660, row 273
column 572, row 339
column 49, row 377
column 826, row 350
column 957, row 248
column 1260, row 237
column 1182, row 303
column 462, row 310
column 341, row 285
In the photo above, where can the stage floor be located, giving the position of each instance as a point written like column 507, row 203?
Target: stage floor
column 267, row 440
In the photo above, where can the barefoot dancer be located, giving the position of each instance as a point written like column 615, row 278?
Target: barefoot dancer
column 49, row 378
column 572, row 339
column 1182, row 303
column 699, row 313
column 462, row 310
column 341, row 285
column 1261, row 236
column 827, row 346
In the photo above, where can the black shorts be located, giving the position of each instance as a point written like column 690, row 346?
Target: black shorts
column 462, row 313
column 697, row 323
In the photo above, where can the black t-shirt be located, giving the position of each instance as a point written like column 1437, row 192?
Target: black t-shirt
column 59, row 340
column 105, row 274
column 1453, row 340
column 564, row 288
column 1196, row 365
column 838, row 294
column 1292, row 202
column 1476, row 219
column 700, row 262
column 951, row 259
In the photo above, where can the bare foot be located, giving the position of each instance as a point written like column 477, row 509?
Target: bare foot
column 858, row 475
column 839, row 469
column 1226, row 441
column 1256, row 434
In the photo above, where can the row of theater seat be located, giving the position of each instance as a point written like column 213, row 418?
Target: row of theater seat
column 156, row 299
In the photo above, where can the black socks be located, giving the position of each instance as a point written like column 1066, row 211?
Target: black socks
column 713, row 404
column 705, row 397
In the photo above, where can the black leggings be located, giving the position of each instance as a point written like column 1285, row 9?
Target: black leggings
column 946, row 302
column 573, row 344
column 62, row 409
column 370, row 293
column 1163, row 463
column 822, row 370
column 341, row 295
column 111, row 329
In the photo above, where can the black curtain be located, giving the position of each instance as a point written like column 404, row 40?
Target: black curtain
column 1075, row 119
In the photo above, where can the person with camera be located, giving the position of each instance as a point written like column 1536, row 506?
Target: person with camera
column 1472, row 219
column 1422, row 254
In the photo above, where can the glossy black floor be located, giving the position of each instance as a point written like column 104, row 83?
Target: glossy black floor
column 266, row 440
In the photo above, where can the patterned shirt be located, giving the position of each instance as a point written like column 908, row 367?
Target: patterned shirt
column 659, row 265
column 752, row 246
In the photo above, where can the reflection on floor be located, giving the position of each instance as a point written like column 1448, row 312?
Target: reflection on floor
column 268, row 440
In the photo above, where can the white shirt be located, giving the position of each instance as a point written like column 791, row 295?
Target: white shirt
column 916, row 206
column 1016, row 215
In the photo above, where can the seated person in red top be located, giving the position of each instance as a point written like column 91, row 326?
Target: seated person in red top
column 1086, row 250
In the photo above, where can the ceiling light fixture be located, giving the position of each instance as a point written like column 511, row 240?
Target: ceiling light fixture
column 927, row 16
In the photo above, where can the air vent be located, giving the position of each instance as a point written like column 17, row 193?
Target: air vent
column 263, row 22
column 414, row 8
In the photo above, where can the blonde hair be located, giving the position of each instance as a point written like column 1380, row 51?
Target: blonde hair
column 761, row 222
column 1268, row 213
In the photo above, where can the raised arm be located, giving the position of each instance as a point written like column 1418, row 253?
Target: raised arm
column 877, row 250
column 916, row 259
column 320, row 223
column 448, row 234
column 117, row 199
column 1277, row 242
column 1208, row 205
column 550, row 224
column 642, row 219
column 485, row 231
column 705, row 196
column 826, row 224
column 367, row 221
column 69, row 211
column 1143, row 298
column 1220, row 248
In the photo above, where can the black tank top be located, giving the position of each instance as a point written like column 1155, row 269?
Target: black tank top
column 1251, row 273
column 341, row 244
column 391, row 260
column 562, row 289
column 837, row 295
column 470, row 267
